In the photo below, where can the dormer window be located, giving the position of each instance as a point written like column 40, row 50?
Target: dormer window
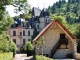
column 46, row 20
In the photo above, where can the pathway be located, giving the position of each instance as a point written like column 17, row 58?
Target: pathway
column 22, row 57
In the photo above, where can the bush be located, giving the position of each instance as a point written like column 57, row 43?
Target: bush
column 42, row 58
column 22, row 50
column 6, row 44
column 29, row 48
column 6, row 56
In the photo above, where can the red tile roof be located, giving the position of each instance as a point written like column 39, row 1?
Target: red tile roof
column 46, row 28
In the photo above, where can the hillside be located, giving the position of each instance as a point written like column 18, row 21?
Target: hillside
column 70, row 10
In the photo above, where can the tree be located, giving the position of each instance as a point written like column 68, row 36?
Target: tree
column 78, row 36
column 35, row 33
column 6, row 44
column 21, row 6
column 42, row 42
column 5, row 21
column 78, row 31
column 61, row 19
column 29, row 48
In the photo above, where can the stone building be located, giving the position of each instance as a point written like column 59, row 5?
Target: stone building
column 22, row 29
column 59, row 42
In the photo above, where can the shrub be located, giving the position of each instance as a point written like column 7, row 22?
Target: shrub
column 22, row 50
column 6, row 44
column 42, row 58
column 6, row 56
column 29, row 48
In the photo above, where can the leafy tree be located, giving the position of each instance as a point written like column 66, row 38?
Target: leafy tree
column 42, row 42
column 70, row 10
column 29, row 48
column 78, row 31
column 35, row 33
column 5, row 21
column 6, row 44
column 61, row 19
column 21, row 6
column 78, row 36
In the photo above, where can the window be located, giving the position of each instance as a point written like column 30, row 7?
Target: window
column 14, row 40
column 38, row 26
column 28, row 33
column 23, row 32
column 14, row 33
column 46, row 20
column 62, row 36
column 20, row 33
column 23, row 41
column 28, row 39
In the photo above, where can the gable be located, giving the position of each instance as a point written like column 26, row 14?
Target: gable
column 53, row 25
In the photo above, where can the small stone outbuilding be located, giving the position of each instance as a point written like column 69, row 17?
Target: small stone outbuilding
column 59, row 42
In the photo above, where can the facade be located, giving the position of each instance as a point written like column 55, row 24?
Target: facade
column 22, row 29
column 59, row 43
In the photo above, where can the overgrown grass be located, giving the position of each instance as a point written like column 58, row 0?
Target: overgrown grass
column 42, row 58
column 6, row 56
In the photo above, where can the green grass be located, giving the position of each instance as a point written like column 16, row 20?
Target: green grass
column 6, row 56
column 40, row 57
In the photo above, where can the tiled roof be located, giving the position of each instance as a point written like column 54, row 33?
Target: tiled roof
column 47, row 27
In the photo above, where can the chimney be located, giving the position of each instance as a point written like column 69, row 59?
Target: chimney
column 21, row 15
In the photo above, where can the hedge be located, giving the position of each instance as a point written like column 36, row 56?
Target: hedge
column 6, row 56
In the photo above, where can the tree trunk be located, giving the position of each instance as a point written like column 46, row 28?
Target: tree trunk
column 42, row 49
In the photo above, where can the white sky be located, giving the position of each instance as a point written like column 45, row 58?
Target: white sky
column 33, row 3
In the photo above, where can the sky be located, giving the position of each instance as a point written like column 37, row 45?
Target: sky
column 33, row 3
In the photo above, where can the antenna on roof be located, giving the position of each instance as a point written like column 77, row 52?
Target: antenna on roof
column 38, row 4
column 43, row 5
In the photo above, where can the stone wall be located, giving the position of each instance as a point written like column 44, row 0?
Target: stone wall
column 62, row 53
column 77, row 56
column 51, row 36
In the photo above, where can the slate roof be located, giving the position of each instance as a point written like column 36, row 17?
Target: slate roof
column 36, row 11
column 36, row 14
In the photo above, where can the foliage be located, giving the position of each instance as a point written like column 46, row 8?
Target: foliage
column 26, row 15
column 42, row 58
column 5, row 2
column 29, row 48
column 21, row 6
column 78, row 46
column 40, row 43
column 6, row 56
column 22, row 50
column 78, row 36
column 5, row 21
column 61, row 19
column 67, row 12
column 42, row 40
column 78, row 31
column 6, row 44
column 35, row 33
column 70, row 10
